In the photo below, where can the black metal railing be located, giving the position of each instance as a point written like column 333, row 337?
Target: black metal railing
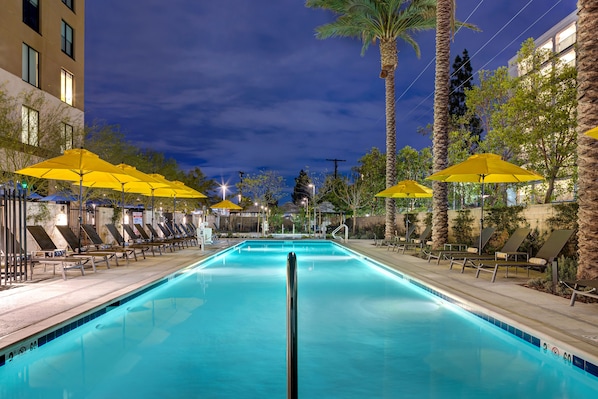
column 13, row 238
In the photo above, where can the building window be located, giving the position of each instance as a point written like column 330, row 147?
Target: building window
column 30, row 65
column 547, row 46
column 68, row 3
column 546, row 50
column 66, row 87
column 66, row 33
column 568, row 58
column 67, row 135
column 30, row 126
column 566, row 38
column 31, row 14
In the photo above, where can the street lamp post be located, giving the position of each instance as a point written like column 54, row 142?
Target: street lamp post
column 258, row 217
column 306, row 203
column 313, row 199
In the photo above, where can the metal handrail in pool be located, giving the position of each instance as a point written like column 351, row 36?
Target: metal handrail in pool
column 339, row 228
column 292, row 326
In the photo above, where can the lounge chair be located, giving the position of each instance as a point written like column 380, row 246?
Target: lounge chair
column 155, row 238
column 143, row 247
column 50, row 254
column 73, row 242
column 167, row 237
column 447, row 253
column 400, row 239
column 549, row 251
column 418, row 242
column 587, row 288
column 171, row 234
column 97, row 241
column 186, row 233
column 136, row 238
column 507, row 252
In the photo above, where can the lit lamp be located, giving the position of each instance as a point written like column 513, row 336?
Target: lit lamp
column 223, row 191
column 61, row 219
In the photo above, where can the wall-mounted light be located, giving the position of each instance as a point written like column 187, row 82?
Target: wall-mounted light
column 61, row 219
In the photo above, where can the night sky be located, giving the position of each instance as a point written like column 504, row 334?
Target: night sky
column 231, row 86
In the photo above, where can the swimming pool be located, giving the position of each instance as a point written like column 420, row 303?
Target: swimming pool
column 219, row 331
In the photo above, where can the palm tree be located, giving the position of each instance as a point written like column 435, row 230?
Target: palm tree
column 444, row 28
column 383, row 22
column 587, row 147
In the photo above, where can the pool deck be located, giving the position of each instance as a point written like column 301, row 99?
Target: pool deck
column 31, row 307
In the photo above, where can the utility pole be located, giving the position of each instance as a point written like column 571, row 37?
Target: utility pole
column 336, row 161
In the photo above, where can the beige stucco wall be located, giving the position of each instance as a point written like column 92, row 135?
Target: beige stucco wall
column 535, row 215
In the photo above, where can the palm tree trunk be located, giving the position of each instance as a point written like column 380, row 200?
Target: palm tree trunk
column 389, row 60
column 441, row 121
column 587, row 147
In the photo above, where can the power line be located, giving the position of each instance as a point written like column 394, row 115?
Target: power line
column 404, row 116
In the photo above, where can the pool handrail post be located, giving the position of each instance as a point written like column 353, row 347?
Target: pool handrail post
column 292, row 326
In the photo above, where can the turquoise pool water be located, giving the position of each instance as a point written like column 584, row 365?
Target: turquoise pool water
column 219, row 331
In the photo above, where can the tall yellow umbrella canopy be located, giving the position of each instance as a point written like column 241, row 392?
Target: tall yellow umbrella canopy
column 174, row 189
column 406, row 189
column 484, row 168
column 78, row 165
column 143, row 183
column 188, row 191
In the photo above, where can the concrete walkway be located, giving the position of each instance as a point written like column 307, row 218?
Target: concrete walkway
column 29, row 308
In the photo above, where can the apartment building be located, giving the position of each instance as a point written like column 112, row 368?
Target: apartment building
column 560, row 39
column 42, row 78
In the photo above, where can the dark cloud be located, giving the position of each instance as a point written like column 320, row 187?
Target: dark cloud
column 244, row 85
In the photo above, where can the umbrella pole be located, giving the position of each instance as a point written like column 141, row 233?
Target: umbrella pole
column 481, row 219
column 80, row 211
column 153, row 206
column 173, row 211
column 122, row 199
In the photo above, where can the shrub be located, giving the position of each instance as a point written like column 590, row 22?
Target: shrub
column 566, row 218
column 462, row 226
column 567, row 270
column 505, row 219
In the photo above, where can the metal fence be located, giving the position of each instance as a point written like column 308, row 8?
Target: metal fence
column 13, row 240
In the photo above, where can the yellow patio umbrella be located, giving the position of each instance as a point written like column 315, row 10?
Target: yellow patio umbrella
column 188, row 191
column 406, row 189
column 78, row 165
column 226, row 204
column 484, row 168
column 593, row 133
column 145, row 182
column 174, row 189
